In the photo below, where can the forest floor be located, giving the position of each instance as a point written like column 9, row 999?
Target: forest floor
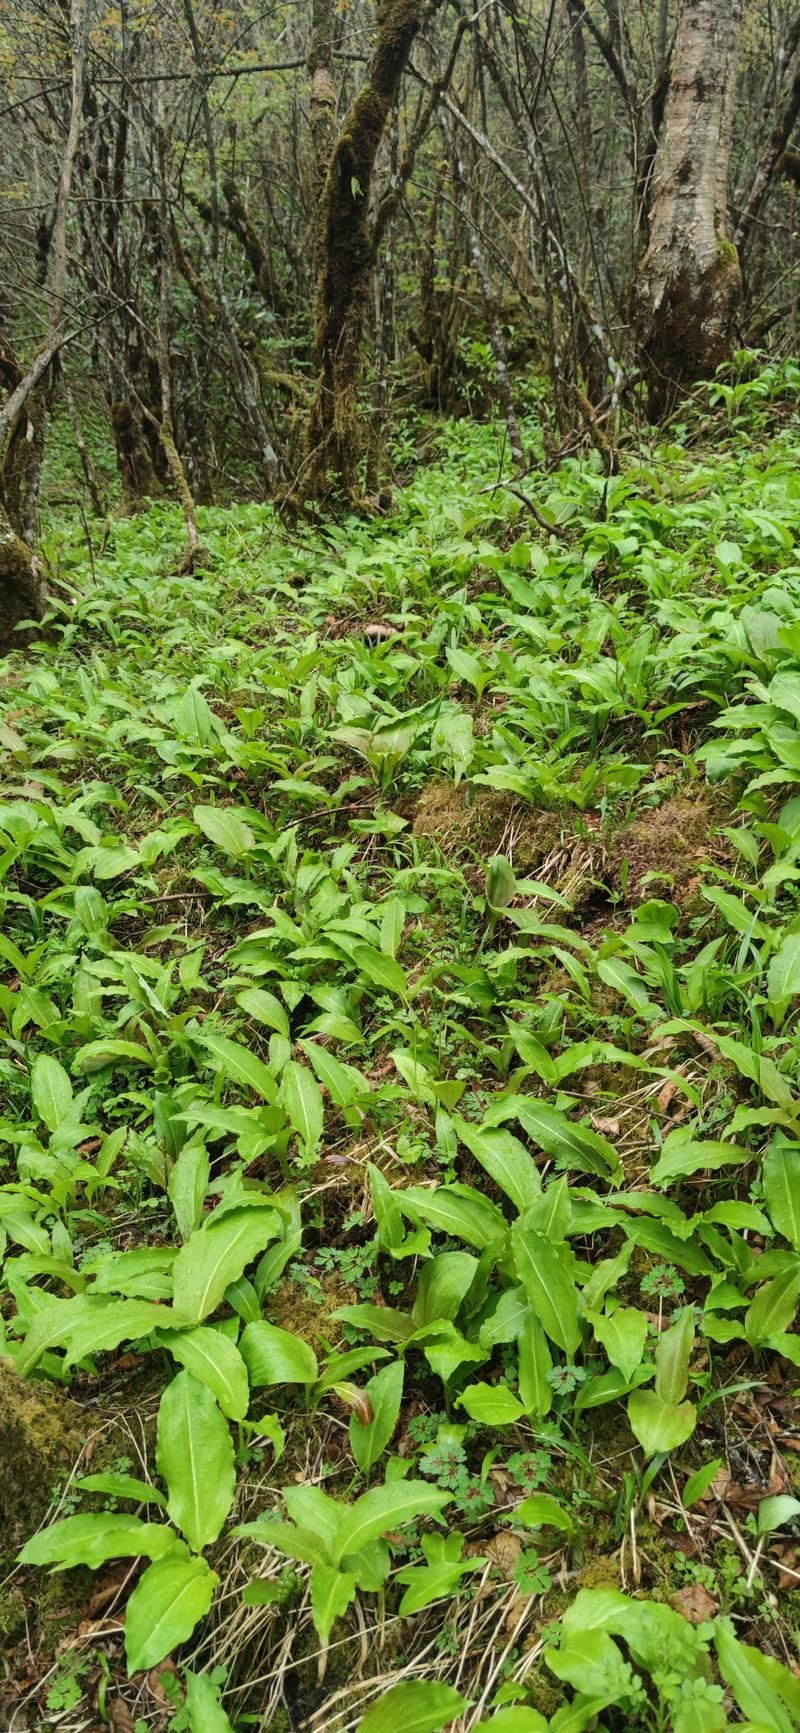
column 401, row 1126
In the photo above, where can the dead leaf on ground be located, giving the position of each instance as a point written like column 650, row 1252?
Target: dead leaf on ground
column 120, row 1719
column 778, row 1477
column 95, row 1627
column 503, row 1550
column 155, row 1676
column 695, row 1603
column 107, row 1590
column 680, row 1541
column 721, row 1483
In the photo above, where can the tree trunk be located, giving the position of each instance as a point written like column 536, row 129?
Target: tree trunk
column 22, row 585
column 22, row 421
column 335, row 439
column 137, row 473
column 322, row 98
column 689, row 280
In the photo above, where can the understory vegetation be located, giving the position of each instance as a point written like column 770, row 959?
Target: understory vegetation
column 400, row 1197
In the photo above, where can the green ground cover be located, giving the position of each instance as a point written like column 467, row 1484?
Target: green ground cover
column 401, row 1102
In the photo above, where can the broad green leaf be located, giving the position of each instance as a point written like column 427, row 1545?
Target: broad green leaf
column 491, row 1404
column 274, row 1356
column 417, row 1076
column 504, row 1318
column 193, row 718
column 698, row 1484
column 443, row 1283
column 535, row 1361
column 225, row 829
column 684, row 1156
column 385, row 1507
column 122, row 1486
column 384, row 1392
column 623, row 978
column 187, row 1186
column 240, row 1066
column 779, row 1678
column 515, row 1719
column 414, row 1706
column 776, row 1513
column 783, row 978
column 455, row 1210
column 393, row 920
column 194, row 1455
column 94, row 1537
column 505, row 1159
column 96, row 1054
column 570, row 1145
column 302, row 1099
column 205, row 1712
column 610, row 1387
column 673, row 1354
column 541, row 1510
column 110, row 863
column 88, row 1324
column 167, row 1603
column 264, row 1006
column 758, row 1068
column 773, row 1307
column 656, row 1237
column 343, row 1082
column 312, row 1508
column 381, row 971
column 781, row 1180
column 428, row 1583
column 216, row 1362
column 754, row 1694
column 216, row 1255
column 332, row 1591
column 550, row 1289
column 651, row 1630
column 623, row 1334
column 291, row 1540
column 51, row 1091
column 660, row 1425
column 383, row 1323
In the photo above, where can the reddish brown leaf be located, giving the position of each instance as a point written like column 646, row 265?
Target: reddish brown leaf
column 695, row 1603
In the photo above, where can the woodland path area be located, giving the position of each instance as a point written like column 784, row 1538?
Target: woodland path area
column 399, row 865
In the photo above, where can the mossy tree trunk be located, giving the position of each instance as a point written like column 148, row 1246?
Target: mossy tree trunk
column 347, row 251
column 22, row 585
column 689, row 281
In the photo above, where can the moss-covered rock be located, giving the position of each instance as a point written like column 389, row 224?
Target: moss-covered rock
column 40, row 1435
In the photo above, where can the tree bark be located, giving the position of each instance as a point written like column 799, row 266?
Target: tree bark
column 322, row 98
column 22, row 585
column 22, row 422
column 689, row 280
column 335, row 439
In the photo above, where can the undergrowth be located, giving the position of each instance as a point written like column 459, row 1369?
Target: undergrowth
column 400, row 953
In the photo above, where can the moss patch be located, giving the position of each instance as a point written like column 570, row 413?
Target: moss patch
column 669, row 844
